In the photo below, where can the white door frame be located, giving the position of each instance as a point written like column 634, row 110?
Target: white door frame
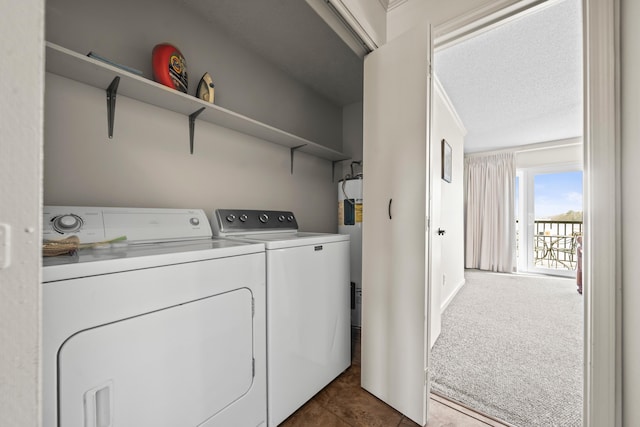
column 602, row 235
column 602, row 243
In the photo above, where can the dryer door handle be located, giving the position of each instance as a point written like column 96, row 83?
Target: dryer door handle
column 97, row 406
column 390, row 201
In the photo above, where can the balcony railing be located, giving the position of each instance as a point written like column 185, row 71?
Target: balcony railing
column 554, row 244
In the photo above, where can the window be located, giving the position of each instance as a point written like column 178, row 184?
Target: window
column 549, row 213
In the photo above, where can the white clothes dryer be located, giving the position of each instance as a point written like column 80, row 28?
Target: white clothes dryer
column 308, row 304
column 166, row 328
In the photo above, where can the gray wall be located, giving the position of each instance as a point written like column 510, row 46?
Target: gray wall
column 126, row 32
column 147, row 164
column 630, row 90
column 352, row 136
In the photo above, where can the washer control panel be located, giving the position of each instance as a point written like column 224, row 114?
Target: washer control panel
column 95, row 224
column 234, row 221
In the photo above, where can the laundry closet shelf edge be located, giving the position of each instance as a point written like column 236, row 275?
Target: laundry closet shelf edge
column 81, row 68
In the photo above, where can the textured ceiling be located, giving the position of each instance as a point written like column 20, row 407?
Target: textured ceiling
column 520, row 83
column 291, row 35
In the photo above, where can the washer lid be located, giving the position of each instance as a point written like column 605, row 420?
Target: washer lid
column 290, row 240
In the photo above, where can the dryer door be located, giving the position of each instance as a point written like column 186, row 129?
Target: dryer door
column 174, row 367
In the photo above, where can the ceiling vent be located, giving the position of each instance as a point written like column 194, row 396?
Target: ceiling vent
column 345, row 25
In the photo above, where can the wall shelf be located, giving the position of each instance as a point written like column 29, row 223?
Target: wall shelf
column 78, row 67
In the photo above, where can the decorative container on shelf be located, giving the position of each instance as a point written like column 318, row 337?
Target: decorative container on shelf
column 206, row 89
column 170, row 67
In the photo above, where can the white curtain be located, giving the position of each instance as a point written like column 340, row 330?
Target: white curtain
column 490, row 229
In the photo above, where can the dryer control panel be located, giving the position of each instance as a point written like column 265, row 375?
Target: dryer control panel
column 235, row 221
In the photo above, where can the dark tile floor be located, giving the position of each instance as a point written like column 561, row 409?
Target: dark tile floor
column 344, row 403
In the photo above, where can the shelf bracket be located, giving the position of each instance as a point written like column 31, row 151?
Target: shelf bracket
column 192, row 126
column 333, row 168
column 293, row 150
column 112, row 90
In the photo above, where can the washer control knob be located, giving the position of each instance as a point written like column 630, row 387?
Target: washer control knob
column 290, row 218
column 244, row 217
column 281, row 218
column 263, row 218
column 194, row 221
column 68, row 223
column 231, row 218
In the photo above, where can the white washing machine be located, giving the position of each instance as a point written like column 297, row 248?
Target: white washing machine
column 308, row 304
column 166, row 328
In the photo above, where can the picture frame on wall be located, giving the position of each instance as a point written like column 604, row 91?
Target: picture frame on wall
column 446, row 161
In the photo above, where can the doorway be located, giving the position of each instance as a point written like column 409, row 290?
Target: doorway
column 547, row 250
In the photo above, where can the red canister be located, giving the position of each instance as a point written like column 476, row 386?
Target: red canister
column 170, row 67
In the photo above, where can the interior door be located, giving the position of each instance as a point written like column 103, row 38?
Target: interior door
column 395, row 306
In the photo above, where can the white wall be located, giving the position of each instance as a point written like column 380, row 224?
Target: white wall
column 371, row 16
column 21, row 87
column 446, row 125
column 437, row 12
column 383, row 27
column 630, row 124
column 126, row 32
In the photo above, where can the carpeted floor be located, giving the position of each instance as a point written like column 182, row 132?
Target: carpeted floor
column 512, row 347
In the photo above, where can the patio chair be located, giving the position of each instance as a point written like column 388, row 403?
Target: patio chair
column 565, row 254
column 579, row 268
column 540, row 248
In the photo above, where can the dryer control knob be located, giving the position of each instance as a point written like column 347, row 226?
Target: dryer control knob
column 231, row 218
column 263, row 218
column 194, row 221
column 244, row 217
column 281, row 218
column 67, row 223
column 290, row 218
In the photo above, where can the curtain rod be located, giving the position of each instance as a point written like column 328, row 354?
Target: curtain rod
column 531, row 147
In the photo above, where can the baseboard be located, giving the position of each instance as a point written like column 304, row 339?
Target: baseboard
column 446, row 302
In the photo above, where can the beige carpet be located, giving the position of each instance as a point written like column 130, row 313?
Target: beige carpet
column 512, row 347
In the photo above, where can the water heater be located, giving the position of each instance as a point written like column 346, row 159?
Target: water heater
column 350, row 222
